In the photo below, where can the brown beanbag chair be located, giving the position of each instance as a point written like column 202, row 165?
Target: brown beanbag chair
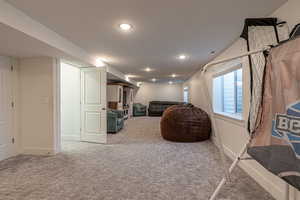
column 185, row 123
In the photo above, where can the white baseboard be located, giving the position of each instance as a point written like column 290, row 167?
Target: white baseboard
column 7, row 151
column 257, row 175
column 38, row 151
column 70, row 137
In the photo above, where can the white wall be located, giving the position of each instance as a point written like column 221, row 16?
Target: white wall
column 37, row 105
column 158, row 92
column 70, row 102
column 234, row 133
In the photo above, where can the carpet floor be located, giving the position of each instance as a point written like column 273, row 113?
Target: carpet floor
column 136, row 164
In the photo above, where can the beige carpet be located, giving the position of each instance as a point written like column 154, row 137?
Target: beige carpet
column 137, row 164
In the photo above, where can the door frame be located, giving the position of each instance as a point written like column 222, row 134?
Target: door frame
column 56, row 105
column 57, row 101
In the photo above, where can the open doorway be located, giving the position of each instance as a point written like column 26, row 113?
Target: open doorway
column 186, row 95
column 120, row 104
column 82, row 104
column 70, row 102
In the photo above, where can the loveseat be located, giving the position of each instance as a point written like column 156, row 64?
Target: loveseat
column 157, row 108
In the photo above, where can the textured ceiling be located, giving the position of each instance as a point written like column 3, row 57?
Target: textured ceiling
column 161, row 30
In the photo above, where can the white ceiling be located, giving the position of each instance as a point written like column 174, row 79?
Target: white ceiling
column 162, row 30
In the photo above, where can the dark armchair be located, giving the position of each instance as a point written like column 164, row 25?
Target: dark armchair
column 139, row 110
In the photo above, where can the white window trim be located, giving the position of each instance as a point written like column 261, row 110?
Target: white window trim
column 232, row 118
column 231, row 69
column 235, row 118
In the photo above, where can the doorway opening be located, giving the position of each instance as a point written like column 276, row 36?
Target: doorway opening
column 120, row 104
column 82, row 104
column 70, row 102
column 186, row 95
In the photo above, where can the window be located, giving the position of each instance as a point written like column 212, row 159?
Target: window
column 228, row 93
column 186, row 95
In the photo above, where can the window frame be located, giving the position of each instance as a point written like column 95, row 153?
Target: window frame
column 231, row 116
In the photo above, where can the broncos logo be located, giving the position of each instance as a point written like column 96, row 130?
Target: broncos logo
column 287, row 127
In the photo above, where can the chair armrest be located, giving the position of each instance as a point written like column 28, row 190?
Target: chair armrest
column 111, row 114
column 119, row 113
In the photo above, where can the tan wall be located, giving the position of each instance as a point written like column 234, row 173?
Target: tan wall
column 36, row 105
column 289, row 12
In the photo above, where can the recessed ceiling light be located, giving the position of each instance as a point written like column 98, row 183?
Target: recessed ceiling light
column 100, row 62
column 154, row 80
column 182, row 57
column 125, row 27
column 148, row 69
column 170, row 82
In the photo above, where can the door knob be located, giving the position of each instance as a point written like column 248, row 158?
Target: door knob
column 103, row 108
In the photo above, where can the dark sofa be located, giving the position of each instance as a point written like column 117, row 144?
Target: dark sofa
column 156, row 108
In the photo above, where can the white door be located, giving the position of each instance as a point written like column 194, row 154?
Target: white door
column 93, row 105
column 6, row 109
